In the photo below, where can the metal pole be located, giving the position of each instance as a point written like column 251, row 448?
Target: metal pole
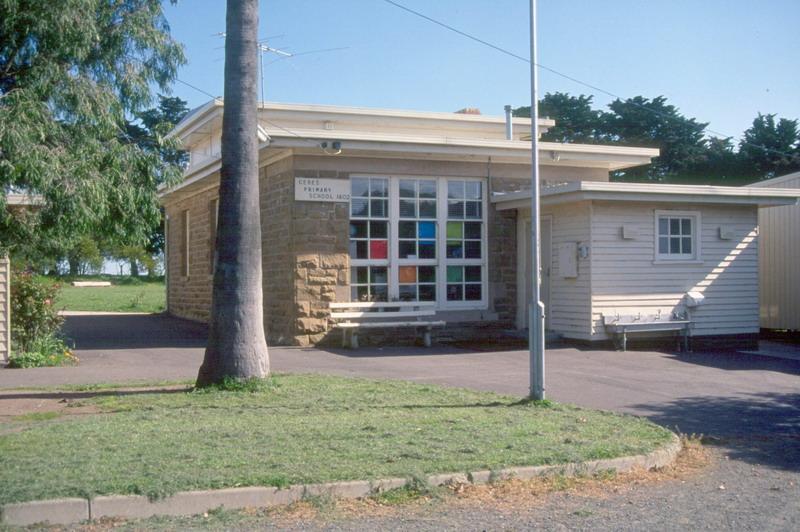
column 536, row 308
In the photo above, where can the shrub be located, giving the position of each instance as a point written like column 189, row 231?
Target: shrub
column 34, row 317
column 45, row 351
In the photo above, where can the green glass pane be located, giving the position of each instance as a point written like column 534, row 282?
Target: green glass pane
column 455, row 274
column 455, row 230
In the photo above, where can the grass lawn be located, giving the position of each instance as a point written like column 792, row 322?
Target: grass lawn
column 125, row 295
column 297, row 429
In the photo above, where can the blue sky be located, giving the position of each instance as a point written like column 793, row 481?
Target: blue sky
column 720, row 61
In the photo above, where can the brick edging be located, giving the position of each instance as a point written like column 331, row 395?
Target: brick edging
column 66, row 511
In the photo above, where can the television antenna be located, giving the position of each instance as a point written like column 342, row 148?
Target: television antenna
column 265, row 48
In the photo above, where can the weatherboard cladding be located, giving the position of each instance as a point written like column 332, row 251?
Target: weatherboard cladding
column 5, row 308
column 624, row 279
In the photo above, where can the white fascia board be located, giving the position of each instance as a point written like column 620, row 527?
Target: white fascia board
column 196, row 119
column 607, row 157
column 646, row 192
column 314, row 109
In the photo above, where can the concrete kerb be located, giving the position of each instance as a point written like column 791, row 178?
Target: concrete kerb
column 67, row 511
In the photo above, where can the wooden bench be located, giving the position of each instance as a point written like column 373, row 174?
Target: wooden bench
column 620, row 326
column 354, row 316
column 94, row 284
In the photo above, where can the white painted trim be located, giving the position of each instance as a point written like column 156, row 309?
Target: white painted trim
column 644, row 192
column 696, row 257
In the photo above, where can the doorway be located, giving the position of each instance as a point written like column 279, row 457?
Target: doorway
column 524, row 273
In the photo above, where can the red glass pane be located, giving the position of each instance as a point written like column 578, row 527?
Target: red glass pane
column 378, row 249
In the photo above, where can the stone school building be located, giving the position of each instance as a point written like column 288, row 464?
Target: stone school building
column 384, row 205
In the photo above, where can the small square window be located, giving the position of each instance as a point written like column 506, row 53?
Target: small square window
column 676, row 234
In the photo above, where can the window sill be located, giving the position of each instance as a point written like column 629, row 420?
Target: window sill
column 677, row 261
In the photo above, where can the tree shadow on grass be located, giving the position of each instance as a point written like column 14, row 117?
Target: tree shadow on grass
column 759, row 428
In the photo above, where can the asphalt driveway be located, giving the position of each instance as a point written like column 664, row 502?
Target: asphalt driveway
column 748, row 404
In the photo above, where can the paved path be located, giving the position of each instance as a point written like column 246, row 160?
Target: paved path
column 749, row 403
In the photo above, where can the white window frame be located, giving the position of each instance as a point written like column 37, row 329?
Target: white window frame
column 441, row 262
column 683, row 258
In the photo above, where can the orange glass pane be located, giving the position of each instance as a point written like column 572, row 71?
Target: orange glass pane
column 408, row 274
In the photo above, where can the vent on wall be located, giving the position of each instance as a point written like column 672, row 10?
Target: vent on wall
column 725, row 233
column 629, row 232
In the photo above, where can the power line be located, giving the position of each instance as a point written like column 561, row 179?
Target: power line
column 566, row 76
column 198, row 89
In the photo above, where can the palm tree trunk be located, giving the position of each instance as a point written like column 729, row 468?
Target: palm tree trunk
column 237, row 347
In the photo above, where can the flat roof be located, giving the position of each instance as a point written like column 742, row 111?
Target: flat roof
column 652, row 192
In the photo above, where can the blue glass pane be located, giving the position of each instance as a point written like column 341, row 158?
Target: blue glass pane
column 427, row 230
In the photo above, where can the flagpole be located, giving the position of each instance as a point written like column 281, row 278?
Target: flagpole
column 536, row 308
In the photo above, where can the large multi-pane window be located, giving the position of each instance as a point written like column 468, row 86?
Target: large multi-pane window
column 418, row 239
column 369, row 238
column 464, row 248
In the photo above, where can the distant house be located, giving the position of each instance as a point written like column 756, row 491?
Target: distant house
column 13, row 202
column 383, row 205
column 779, row 254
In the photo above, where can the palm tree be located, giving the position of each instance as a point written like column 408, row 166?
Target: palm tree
column 237, row 347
